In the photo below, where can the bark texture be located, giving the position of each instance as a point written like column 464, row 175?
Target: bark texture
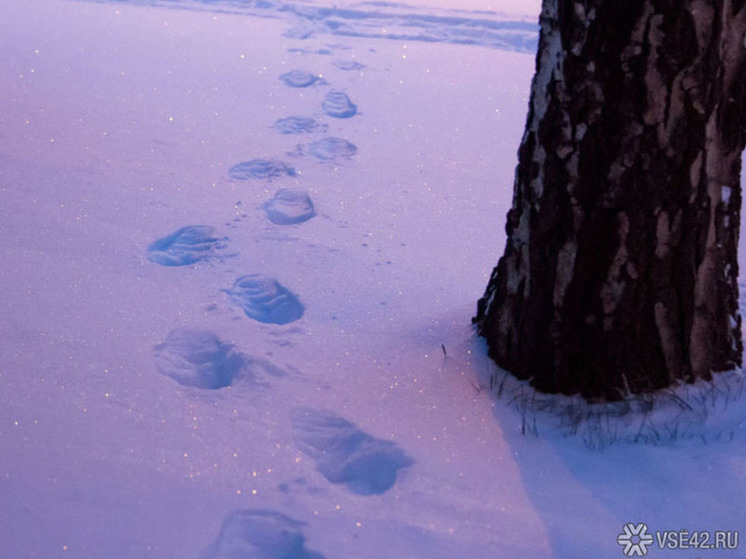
column 620, row 269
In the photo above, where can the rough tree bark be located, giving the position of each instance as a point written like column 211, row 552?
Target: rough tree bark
column 620, row 269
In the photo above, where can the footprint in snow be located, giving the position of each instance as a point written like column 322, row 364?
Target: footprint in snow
column 260, row 169
column 300, row 78
column 338, row 105
column 188, row 245
column 305, row 50
column 345, row 454
column 289, row 207
column 198, row 358
column 300, row 484
column 260, row 534
column 298, row 125
column 329, row 149
column 348, row 65
column 194, row 357
column 263, row 299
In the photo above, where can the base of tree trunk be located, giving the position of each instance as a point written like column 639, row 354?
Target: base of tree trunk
column 620, row 269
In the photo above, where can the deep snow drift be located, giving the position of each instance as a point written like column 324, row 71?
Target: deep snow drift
column 243, row 242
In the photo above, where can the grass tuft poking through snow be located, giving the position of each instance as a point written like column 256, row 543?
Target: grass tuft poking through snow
column 703, row 412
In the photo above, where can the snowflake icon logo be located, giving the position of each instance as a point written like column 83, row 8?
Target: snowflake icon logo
column 635, row 540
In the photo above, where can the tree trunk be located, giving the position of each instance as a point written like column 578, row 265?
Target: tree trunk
column 620, row 269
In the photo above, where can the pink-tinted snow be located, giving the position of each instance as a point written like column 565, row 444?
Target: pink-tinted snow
column 148, row 410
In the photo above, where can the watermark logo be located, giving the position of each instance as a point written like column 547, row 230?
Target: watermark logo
column 635, row 540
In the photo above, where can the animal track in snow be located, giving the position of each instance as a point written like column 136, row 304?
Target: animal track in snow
column 345, row 454
column 263, row 299
column 289, row 207
column 332, row 148
column 188, row 245
column 299, row 78
column 198, row 358
column 260, row 534
column 338, row 105
column 260, row 169
column 297, row 125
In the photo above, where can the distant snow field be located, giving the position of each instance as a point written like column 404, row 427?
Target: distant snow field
column 243, row 244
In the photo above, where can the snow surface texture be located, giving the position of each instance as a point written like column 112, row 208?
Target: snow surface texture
column 142, row 404
column 345, row 454
column 260, row 534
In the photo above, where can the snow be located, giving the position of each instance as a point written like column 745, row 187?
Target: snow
column 230, row 334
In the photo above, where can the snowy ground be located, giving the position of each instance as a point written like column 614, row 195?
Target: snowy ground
column 297, row 365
